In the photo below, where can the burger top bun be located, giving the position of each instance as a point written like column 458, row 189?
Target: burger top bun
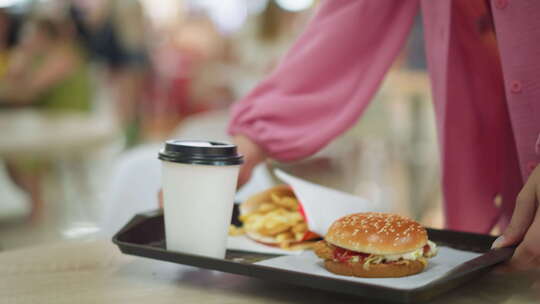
column 377, row 233
column 254, row 201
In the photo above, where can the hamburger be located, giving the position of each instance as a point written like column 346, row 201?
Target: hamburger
column 375, row 245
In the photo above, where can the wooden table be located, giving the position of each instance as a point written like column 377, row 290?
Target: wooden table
column 96, row 272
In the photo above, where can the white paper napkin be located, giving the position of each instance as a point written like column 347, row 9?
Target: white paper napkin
column 445, row 261
column 322, row 205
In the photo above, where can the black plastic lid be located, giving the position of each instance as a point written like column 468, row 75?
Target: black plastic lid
column 200, row 152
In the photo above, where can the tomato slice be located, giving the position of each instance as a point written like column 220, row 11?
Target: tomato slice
column 426, row 249
column 343, row 255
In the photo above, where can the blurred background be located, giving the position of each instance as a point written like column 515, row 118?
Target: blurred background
column 90, row 88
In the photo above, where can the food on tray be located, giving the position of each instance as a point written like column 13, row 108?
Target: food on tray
column 234, row 231
column 273, row 217
column 375, row 245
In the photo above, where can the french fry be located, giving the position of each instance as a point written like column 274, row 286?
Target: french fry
column 275, row 198
column 274, row 226
column 254, row 222
column 285, row 236
column 266, row 207
column 294, row 217
column 288, row 202
column 234, row 231
column 276, row 216
column 244, row 217
column 278, row 212
column 285, row 245
column 300, row 227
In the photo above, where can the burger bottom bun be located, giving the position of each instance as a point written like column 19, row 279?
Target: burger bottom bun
column 375, row 270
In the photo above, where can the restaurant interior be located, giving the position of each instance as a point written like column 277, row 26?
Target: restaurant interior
column 114, row 79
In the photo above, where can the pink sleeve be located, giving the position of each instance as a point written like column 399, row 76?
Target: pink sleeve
column 327, row 78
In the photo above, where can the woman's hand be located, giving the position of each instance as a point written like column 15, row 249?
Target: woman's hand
column 524, row 228
column 253, row 155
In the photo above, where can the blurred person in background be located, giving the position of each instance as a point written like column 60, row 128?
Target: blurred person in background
column 482, row 57
column 114, row 35
column 4, row 50
column 256, row 48
column 205, row 50
column 9, row 30
column 47, row 71
column 203, row 68
column 186, row 58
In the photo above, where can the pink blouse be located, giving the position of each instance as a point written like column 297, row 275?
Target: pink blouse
column 486, row 92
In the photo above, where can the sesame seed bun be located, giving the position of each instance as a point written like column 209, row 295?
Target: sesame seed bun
column 377, row 233
column 376, row 270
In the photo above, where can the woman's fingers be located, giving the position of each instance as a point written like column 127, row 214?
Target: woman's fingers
column 527, row 254
column 524, row 228
column 524, row 213
column 253, row 155
column 244, row 175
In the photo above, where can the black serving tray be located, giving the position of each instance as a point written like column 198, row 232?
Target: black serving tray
column 144, row 236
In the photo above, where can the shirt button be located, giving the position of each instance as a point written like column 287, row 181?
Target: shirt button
column 500, row 4
column 515, row 86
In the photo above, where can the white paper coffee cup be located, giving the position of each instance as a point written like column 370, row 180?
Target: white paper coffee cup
column 199, row 183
